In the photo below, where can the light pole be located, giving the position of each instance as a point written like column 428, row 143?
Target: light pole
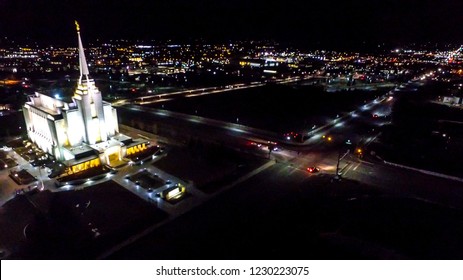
column 338, row 176
column 40, row 176
column 337, row 166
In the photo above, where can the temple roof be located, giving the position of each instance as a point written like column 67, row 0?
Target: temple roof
column 83, row 67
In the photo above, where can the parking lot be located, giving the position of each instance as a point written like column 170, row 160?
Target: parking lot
column 147, row 180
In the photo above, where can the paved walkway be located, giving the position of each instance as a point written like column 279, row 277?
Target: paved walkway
column 197, row 197
column 427, row 172
column 8, row 187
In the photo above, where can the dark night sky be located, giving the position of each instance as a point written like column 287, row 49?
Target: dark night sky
column 327, row 21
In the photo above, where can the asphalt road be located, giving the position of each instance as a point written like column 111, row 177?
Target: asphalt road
column 247, row 211
column 358, row 126
column 287, row 213
column 203, row 91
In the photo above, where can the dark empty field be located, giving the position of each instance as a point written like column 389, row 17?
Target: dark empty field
column 274, row 107
column 278, row 217
column 208, row 167
column 73, row 224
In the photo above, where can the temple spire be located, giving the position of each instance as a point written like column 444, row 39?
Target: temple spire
column 82, row 61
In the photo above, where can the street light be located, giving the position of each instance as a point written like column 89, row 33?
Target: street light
column 40, row 176
column 359, row 152
column 338, row 176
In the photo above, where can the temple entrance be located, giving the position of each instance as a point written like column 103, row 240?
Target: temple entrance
column 114, row 157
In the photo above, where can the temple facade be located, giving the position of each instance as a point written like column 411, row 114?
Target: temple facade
column 83, row 132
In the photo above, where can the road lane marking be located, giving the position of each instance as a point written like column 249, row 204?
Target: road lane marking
column 367, row 162
column 347, row 169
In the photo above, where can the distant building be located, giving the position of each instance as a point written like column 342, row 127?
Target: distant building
column 452, row 100
column 456, row 57
column 83, row 131
column 5, row 107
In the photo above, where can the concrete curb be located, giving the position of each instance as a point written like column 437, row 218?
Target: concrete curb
column 427, row 172
column 170, row 218
column 249, row 175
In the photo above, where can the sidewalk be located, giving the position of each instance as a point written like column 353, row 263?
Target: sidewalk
column 427, row 172
column 188, row 204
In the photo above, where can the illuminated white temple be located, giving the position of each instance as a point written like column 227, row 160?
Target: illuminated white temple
column 74, row 131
